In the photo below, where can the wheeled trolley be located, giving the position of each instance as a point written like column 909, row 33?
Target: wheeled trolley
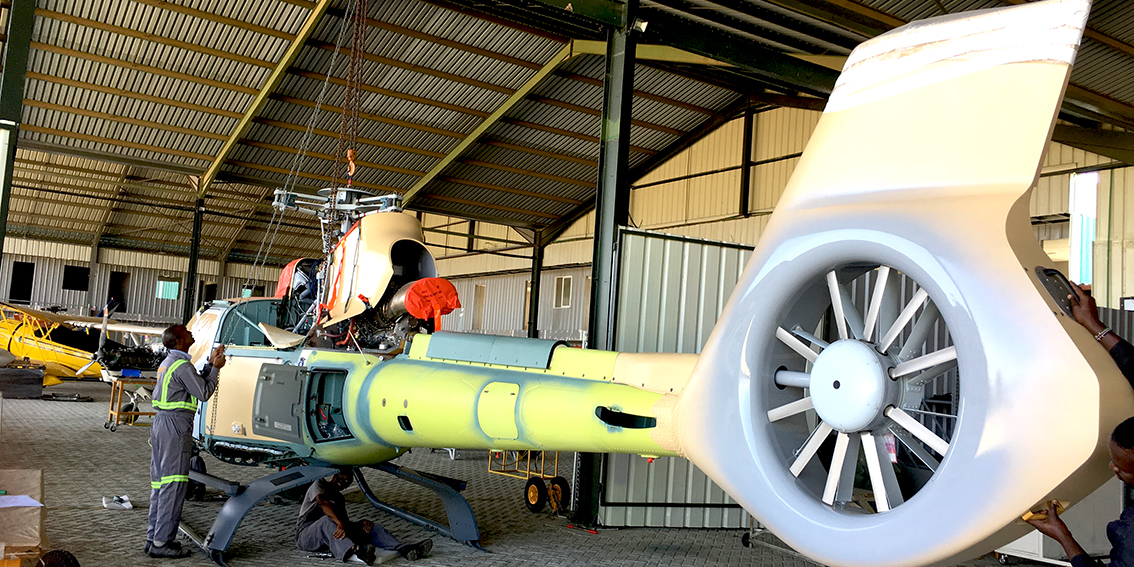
column 541, row 470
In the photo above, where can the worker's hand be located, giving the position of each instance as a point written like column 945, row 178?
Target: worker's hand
column 217, row 358
column 1050, row 525
column 367, row 525
column 340, row 533
column 1084, row 309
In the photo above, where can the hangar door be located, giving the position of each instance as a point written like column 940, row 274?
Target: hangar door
column 671, row 291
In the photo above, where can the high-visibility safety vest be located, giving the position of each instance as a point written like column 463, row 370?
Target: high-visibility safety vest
column 164, row 403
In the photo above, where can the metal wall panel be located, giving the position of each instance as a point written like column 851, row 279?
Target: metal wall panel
column 505, row 299
column 779, row 133
column 671, row 292
column 1113, row 274
column 50, row 258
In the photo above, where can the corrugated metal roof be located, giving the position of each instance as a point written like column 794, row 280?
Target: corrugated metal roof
column 127, row 97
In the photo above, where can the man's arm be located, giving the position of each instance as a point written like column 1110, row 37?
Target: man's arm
column 334, row 509
column 202, row 386
column 1052, row 526
column 1086, row 312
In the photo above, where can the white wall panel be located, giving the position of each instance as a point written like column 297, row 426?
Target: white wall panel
column 505, row 298
column 58, row 250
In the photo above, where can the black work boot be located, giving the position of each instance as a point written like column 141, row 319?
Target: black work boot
column 171, row 550
column 415, row 551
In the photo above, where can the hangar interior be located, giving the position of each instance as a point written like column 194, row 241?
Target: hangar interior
column 144, row 141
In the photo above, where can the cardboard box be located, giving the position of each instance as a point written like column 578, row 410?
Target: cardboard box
column 21, row 529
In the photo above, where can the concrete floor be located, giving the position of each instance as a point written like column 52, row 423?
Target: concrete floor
column 82, row 462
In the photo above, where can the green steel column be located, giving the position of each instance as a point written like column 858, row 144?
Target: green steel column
column 21, row 19
column 746, row 159
column 612, row 200
column 612, row 211
column 194, row 255
column 537, row 278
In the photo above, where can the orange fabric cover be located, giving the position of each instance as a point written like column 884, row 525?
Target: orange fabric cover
column 284, row 284
column 430, row 298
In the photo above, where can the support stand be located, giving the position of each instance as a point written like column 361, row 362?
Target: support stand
column 241, row 500
column 462, row 522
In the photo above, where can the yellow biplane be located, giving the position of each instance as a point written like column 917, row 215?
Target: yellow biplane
column 60, row 343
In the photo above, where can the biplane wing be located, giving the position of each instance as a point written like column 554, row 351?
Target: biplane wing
column 116, row 326
column 62, row 342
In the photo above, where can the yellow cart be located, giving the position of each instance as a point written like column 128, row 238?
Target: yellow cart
column 541, row 470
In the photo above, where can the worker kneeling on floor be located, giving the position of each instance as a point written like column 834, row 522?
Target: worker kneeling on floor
column 323, row 524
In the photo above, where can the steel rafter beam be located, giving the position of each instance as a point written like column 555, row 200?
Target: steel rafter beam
column 112, row 206
column 134, row 95
column 328, row 157
column 112, row 142
column 715, row 121
column 122, row 119
column 776, row 68
column 501, row 208
column 511, row 190
column 326, row 179
column 209, row 16
column 728, row 15
column 361, row 140
column 161, row 40
column 391, row 93
column 1109, row 143
column 850, row 16
column 517, row 96
column 641, row 94
column 1077, row 101
column 50, row 148
column 338, row 110
column 241, row 230
column 261, row 99
column 607, row 12
column 382, row 60
column 142, row 68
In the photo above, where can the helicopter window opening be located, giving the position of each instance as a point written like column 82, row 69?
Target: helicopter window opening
column 76, row 278
column 167, row 289
column 616, row 418
column 404, row 422
column 240, row 322
column 325, row 406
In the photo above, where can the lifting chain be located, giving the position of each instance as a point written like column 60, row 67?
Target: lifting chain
column 348, row 125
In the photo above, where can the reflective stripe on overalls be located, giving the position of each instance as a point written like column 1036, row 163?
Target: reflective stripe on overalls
column 163, row 403
column 168, row 479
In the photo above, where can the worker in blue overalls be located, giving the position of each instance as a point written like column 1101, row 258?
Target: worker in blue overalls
column 179, row 387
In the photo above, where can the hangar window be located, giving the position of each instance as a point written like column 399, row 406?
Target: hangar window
column 76, row 278
column 478, row 307
column 252, row 291
column 20, row 289
column 562, row 292
column 167, row 288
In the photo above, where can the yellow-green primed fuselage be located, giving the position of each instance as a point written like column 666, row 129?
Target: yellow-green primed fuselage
column 470, row 393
